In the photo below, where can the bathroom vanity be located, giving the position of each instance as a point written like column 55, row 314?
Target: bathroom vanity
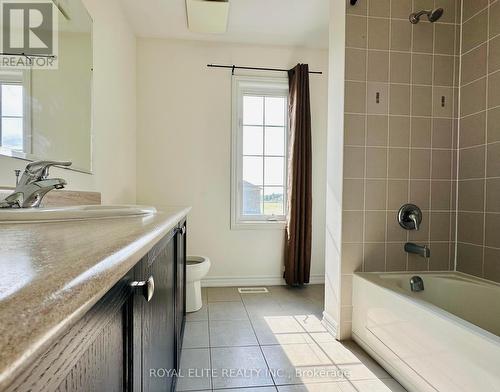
column 93, row 305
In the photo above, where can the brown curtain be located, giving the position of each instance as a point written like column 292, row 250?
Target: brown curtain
column 299, row 220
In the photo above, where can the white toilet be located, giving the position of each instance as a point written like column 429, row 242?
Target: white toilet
column 196, row 269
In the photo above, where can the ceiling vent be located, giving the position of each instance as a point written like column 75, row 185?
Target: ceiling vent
column 207, row 16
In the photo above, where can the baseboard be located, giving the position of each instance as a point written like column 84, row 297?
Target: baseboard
column 330, row 324
column 232, row 281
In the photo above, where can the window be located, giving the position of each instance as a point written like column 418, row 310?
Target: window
column 260, row 130
column 14, row 111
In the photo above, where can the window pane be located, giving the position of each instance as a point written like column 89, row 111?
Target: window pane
column 252, row 170
column 253, row 140
column 274, row 201
column 12, row 100
column 252, row 199
column 274, row 171
column 275, row 141
column 12, row 133
column 275, row 111
column 253, row 110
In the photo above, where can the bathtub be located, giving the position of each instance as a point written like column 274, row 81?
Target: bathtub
column 445, row 338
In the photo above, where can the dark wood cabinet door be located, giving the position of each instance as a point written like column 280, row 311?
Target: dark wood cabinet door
column 91, row 356
column 158, row 353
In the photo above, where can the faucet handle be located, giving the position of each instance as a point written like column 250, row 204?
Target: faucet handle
column 40, row 169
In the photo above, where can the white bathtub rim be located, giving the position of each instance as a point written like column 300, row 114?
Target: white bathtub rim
column 441, row 313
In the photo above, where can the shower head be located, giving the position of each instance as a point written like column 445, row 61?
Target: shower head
column 432, row 15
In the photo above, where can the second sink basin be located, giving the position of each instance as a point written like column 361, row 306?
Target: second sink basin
column 69, row 213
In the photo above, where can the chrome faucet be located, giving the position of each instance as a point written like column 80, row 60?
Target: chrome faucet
column 421, row 250
column 34, row 185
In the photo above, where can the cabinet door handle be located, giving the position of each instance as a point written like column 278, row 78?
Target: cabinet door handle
column 144, row 288
column 181, row 230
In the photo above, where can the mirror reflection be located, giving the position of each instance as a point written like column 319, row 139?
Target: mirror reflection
column 46, row 113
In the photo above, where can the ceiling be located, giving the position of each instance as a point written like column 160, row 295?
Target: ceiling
column 269, row 22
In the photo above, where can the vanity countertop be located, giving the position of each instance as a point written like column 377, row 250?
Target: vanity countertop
column 53, row 273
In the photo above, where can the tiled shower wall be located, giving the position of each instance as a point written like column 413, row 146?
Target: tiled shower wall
column 400, row 134
column 478, row 248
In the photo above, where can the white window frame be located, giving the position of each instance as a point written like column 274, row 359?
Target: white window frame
column 23, row 78
column 262, row 86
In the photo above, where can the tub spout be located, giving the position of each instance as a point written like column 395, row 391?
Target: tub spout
column 420, row 250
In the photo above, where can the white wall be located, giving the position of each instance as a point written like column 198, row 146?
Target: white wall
column 183, row 150
column 335, row 150
column 114, row 118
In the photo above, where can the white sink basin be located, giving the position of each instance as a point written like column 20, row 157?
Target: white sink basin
column 68, row 213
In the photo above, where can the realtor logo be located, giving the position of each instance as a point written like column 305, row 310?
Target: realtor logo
column 29, row 33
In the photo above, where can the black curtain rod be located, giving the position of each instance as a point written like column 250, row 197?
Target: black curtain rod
column 233, row 67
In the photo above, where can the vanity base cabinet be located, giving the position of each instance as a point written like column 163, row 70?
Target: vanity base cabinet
column 124, row 342
column 91, row 355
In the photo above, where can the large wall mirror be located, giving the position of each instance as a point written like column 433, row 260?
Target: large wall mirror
column 47, row 113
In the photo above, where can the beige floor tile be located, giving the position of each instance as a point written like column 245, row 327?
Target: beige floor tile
column 196, row 334
column 236, row 367
column 232, row 333
column 223, row 294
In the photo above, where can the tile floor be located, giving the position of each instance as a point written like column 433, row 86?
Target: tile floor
column 272, row 342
